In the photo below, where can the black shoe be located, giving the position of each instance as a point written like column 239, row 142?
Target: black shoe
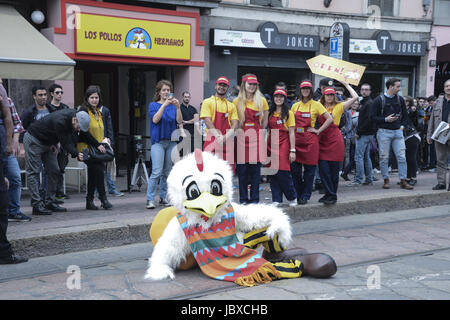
column 412, row 182
column 302, row 201
column 55, row 207
column 90, row 205
column 57, row 201
column 345, row 177
column 325, row 197
column 13, row 259
column 40, row 210
column 62, row 196
column 439, row 186
column 329, row 201
column 106, row 204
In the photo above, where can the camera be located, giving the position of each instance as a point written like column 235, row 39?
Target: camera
column 139, row 144
column 170, row 95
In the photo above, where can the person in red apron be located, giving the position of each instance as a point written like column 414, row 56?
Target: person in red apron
column 331, row 142
column 221, row 120
column 253, row 112
column 281, row 119
column 306, row 112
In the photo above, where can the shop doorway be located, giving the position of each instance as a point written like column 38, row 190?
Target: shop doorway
column 268, row 77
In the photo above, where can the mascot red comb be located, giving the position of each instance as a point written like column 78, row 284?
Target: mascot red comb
column 205, row 228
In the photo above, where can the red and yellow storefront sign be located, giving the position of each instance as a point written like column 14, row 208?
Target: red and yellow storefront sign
column 116, row 36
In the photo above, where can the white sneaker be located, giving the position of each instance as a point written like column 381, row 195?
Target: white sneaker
column 150, row 205
column 275, row 204
column 293, row 203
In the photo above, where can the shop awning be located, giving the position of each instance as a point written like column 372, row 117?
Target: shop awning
column 26, row 54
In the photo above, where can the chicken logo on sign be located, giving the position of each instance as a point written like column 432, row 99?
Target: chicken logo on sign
column 138, row 38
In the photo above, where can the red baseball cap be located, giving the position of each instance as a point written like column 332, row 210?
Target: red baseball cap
column 280, row 91
column 329, row 90
column 223, row 80
column 306, row 84
column 250, row 79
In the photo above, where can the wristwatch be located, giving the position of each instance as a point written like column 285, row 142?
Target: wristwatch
column 292, row 150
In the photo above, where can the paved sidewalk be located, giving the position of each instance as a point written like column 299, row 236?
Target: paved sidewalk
column 408, row 250
column 129, row 221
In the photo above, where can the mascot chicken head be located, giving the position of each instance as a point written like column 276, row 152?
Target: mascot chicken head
column 200, row 186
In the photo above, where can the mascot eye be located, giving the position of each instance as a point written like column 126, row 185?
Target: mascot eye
column 216, row 188
column 192, row 191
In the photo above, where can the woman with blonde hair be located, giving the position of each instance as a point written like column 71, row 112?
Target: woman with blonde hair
column 253, row 112
column 331, row 142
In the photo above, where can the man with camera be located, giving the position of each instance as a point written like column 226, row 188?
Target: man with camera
column 390, row 115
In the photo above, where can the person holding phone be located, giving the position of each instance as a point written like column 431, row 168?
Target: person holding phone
column 390, row 114
column 164, row 115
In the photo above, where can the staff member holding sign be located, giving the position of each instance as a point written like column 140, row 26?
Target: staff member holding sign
column 306, row 148
column 281, row 119
column 221, row 120
column 331, row 142
column 253, row 112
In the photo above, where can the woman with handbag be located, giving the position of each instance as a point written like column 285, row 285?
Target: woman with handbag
column 90, row 142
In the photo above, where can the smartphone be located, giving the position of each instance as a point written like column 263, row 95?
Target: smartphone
column 85, row 154
column 397, row 115
column 170, row 95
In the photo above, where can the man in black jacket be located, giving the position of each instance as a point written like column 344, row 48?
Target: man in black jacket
column 389, row 112
column 40, row 147
column 364, row 134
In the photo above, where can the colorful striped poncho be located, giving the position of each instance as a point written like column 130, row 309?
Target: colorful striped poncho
column 220, row 255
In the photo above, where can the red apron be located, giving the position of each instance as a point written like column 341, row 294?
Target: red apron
column 331, row 142
column 220, row 123
column 306, row 143
column 253, row 144
column 283, row 143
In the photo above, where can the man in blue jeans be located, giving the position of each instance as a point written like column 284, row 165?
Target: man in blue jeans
column 7, row 255
column 364, row 134
column 389, row 112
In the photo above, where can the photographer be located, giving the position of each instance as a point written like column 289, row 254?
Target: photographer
column 164, row 114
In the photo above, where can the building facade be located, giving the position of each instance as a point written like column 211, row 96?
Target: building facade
column 390, row 38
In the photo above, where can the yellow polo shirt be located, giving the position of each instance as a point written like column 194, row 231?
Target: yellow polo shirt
column 249, row 104
column 290, row 121
column 213, row 104
column 317, row 109
column 336, row 112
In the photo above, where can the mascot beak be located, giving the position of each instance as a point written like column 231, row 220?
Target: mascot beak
column 206, row 204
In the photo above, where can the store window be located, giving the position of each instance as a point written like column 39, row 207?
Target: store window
column 388, row 8
column 441, row 12
column 267, row 3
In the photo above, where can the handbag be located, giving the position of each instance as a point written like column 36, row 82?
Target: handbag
column 96, row 155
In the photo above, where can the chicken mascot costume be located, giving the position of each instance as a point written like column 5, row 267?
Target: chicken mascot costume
column 205, row 228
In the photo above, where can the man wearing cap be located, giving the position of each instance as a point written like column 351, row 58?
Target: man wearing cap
column 40, row 148
column 221, row 120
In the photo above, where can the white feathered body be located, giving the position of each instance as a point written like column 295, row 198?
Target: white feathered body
column 172, row 247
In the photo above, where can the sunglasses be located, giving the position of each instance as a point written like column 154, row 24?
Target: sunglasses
column 59, row 92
